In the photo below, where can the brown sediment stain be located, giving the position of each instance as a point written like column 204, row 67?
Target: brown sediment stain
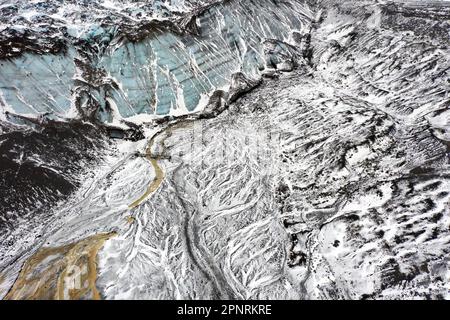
column 153, row 159
column 68, row 272
column 154, row 185
column 130, row 219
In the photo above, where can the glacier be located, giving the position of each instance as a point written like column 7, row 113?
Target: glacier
column 234, row 149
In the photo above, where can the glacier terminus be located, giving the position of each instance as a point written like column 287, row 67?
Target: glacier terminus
column 224, row 150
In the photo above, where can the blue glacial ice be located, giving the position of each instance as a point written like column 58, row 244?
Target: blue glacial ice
column 165, row 72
